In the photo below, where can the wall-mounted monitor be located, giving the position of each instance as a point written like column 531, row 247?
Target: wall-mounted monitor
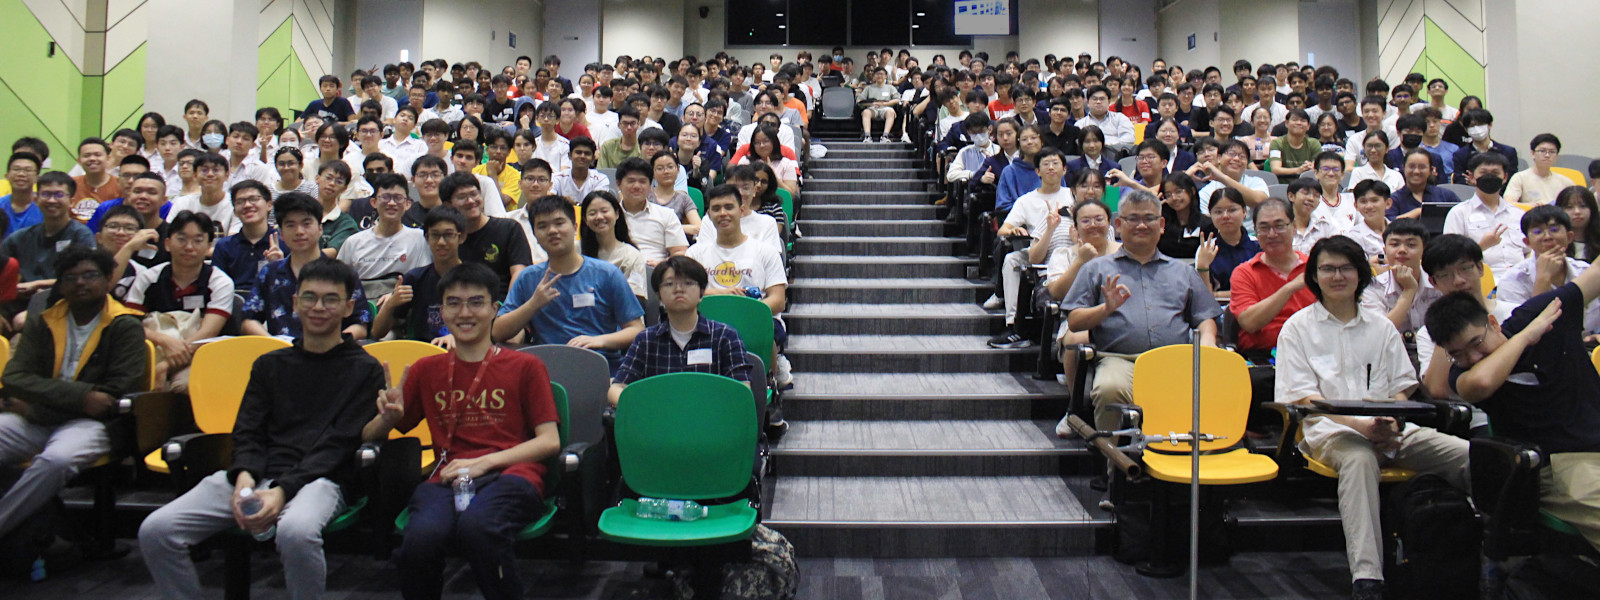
column 983, row 17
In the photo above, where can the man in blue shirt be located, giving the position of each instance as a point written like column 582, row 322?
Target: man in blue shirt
column 686, row 341
column 243, row 254
column 570, row 299
column 22, row 172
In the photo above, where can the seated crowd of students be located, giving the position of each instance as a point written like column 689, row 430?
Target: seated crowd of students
column 471, row 212
column 1328, row 276
column 464, row 214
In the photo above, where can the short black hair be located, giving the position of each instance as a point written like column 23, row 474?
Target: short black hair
column 1451, row 314
column 444, row 213
column 1545, row 214
column 1344, row 246
column 682, row 266
column 122, row 210
column 329, row 270
column 1489, row 158
column 456, row 181
column 550, row 204
column 78, row 253
column 202, row 220
column 470, row 275
column 294, row 202
column 1447, row 250
column 383, row 181
column 57, row 178
column 247, row 184
column 1411, row 227
column 135, row 159
column 634, row 165
column 1371, row 186
column 1545, row 138
column 726, row 189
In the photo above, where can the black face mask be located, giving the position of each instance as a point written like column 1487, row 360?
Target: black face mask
column 1411, row 140
column 1490, row 184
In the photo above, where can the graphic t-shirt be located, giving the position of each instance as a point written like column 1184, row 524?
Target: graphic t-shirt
column 500, row 243
column 750, row 264
column 374, row 256
column 467, row 421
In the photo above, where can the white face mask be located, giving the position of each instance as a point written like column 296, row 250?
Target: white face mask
column 980, row 139
column 1478, row 133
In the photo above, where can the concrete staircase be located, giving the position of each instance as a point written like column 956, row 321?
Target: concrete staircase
column 910, row 436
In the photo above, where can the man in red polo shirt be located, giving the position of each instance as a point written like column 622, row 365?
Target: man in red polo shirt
column 1271, row 286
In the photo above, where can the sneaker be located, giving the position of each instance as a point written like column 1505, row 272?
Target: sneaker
column 1367, row 589
column 1009, row 339
column 781, row 373
column 905, row 138
column 993, row 302
column 866, row 139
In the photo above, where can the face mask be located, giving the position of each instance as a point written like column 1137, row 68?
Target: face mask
column 1410, row 140
column 838, row 57
column 1478, row 133
column 980, row 139
column 1490, row 184
column 211, row 140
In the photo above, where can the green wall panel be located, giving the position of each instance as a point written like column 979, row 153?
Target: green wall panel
column 124, row 93
column 45, row 93
column 1449, row 61
column 283, row 81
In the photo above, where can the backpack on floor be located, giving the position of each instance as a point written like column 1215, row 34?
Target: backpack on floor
column 771, row 573
column 1135, row 511
column 26, row 544
column 1432, row 539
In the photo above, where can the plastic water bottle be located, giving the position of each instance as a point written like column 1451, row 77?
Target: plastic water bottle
column 464, row 490
column 250, row 504
column 670, row 510
column 753, row 292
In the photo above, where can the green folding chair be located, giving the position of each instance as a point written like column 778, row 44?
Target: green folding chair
column 552, row 476
column 788, row 211
column 699, row 200
column 750, row 317
column 684, row 436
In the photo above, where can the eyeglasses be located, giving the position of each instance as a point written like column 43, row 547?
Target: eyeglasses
column 476, row 303
column 1148, row 158
column 1273, row 228
column 443, row 237
column 84, row 277
column 428, row 176
column 1545, row 152
column 536, row 179
column 120, row 228
column 390, row 198
column 1331, row 270
column 1095, row 220
column 186, row 241
column 1331, row 170
column 1226, row 210
column 311, row 300
column 1137, row 220
column 52, row 195
column 679, row 285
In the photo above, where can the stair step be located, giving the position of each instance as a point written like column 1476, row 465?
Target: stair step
column 853, row 163
column 888, row 319
column 880, row 266
column 838, row 172
column 864, row 184
column 923, row 396
column 905, row 354
column 859, row 151
column 871, row 246
column 924, row 448
column 871, row 228
column 887, row 291
column 886, row 212
column 858, row 197
column 934, row 516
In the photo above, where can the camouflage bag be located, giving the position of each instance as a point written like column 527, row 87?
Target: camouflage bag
column 770, row 574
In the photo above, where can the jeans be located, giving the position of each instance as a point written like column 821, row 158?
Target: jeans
column 485, row 534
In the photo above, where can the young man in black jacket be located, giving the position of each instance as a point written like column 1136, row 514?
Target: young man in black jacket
column 298, row 428
column 72, row 363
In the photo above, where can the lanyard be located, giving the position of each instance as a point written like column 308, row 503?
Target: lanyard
column 450, row 381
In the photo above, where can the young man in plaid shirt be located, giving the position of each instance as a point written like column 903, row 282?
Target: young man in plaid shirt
column 685, row 341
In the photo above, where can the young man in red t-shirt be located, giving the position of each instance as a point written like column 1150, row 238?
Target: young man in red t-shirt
column 492, row 416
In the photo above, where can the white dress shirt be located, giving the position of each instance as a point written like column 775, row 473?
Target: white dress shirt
column 1116, row 126
column 1320, row 355
column 1473, row 219
column 1515, row 286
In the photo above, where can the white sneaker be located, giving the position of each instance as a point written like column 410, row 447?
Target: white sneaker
column 780, row 372
column 905, row 137
column 866, row 139
column 993, row 302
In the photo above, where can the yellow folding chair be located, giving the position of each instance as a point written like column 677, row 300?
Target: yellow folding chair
column 217, row 379
column 400, row 355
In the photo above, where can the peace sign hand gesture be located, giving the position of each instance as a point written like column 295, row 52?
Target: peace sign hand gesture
column 391, row 403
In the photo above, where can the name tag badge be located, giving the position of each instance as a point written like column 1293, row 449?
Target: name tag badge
column 700, row 357
column 1477, row 219
column 582, row 300
column 147, row 253
column 62, row 245
column 1275, row 154
column 193, row 302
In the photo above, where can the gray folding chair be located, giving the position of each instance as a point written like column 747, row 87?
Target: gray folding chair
column 587, row 377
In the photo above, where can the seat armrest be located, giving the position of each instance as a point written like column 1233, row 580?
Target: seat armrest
column 1454, row 418
column 572, row 456
column 193, row 456
column 1287, row 454
column 155, row 418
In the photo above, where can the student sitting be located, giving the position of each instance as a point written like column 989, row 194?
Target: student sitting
column 72, row 362
column 1313, row 220
column 1547, row 229
column 337, row 226
column 655, row 229
column 1228, row 171
column 181, row 289
column 35, row 247
column 745, row 266
column 270, row 308
column 569, row 299
column 1371, row 200
column 1126, row 301
column 121, row 237
column 1019, row 177
column 1486, row 216
column 390, row 248
column 500, row 443
column 1271, row 286
column 1538, row 184
column 686, row 341
column 494, row 241
column 1579, row 202
column 603, row 234
column 1219, row 254
column 242, row 254
column 1029, row 217
column 1180, row 210
column 1416, row 168
column 416, row 294
column 579, row 182
column 296, row 434
column 1401, row 292
column 1532, row 374
column 212, row 201
column 1335, row 349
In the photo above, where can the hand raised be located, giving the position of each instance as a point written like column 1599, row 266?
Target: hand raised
column 391, row 401
column 1115, row 293
column 1207, row 251
column 546, row 292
